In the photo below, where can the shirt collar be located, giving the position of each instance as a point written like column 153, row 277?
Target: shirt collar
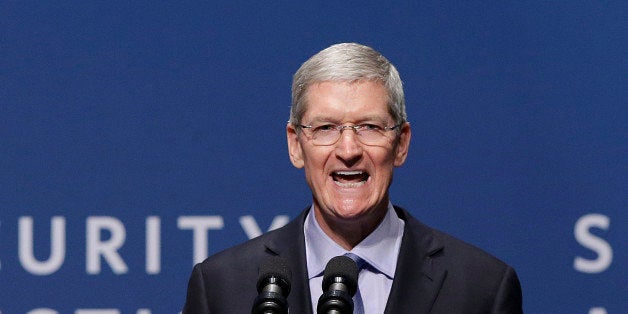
column 380, row 248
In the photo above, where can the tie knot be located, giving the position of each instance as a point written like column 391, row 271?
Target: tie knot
column 358, row 260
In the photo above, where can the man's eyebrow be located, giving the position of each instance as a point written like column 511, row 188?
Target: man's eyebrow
column 373, row 119
column 323, row 119
column 369, row 118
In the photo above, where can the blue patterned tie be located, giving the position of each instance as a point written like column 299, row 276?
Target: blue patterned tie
column 358, row 305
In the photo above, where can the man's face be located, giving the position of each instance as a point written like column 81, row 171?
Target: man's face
column 349, row 180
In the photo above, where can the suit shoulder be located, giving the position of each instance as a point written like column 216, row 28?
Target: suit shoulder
column 440, row 243
column 473, row 255
column 251, row 251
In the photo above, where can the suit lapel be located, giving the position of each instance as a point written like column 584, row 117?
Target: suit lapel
column 418, row 278
column 290, row 244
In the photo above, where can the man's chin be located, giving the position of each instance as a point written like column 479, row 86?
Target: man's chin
column 352, row 211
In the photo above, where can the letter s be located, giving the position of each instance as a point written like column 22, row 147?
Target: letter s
column 594, row 243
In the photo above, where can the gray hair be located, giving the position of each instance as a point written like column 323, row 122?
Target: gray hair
column 347, row 62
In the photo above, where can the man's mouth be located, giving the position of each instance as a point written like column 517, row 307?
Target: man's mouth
column 349, row 179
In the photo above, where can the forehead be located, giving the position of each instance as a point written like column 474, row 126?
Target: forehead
column 333, row 100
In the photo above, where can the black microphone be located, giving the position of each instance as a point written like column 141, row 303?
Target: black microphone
column 340, row 281
column 273, row 287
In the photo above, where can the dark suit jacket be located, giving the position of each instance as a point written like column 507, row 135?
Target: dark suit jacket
column 436, row 273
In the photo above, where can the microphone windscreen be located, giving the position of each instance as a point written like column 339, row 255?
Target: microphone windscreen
column 275, row 270
column 341, row 269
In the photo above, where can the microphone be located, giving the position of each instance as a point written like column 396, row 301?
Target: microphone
column 273, row 287
column 340, row 282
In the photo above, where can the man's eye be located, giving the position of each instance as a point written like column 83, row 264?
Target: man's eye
column 371, row 127
column 325, row 127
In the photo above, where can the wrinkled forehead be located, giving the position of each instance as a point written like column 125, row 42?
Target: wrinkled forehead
column 338, row 101
column 307, row 89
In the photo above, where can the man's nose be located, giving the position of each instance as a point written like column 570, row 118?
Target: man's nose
column 348, row 147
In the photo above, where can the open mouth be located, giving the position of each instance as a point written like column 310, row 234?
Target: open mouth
column 349, row 179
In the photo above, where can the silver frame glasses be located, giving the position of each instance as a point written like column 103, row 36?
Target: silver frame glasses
column 376, row 135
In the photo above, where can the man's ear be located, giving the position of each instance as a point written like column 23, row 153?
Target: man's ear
column 294, row 146
column 405, row 133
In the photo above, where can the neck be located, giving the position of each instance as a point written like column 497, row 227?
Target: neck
column 348, row 233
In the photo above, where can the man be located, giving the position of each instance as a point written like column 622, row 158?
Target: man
column 348, row 130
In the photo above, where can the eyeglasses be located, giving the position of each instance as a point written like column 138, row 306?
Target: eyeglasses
column 371, row 134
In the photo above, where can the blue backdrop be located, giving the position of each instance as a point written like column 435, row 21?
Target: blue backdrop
column 137, row 138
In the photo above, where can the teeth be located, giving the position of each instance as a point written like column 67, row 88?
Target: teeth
column 349, row 173
column 350, row 184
